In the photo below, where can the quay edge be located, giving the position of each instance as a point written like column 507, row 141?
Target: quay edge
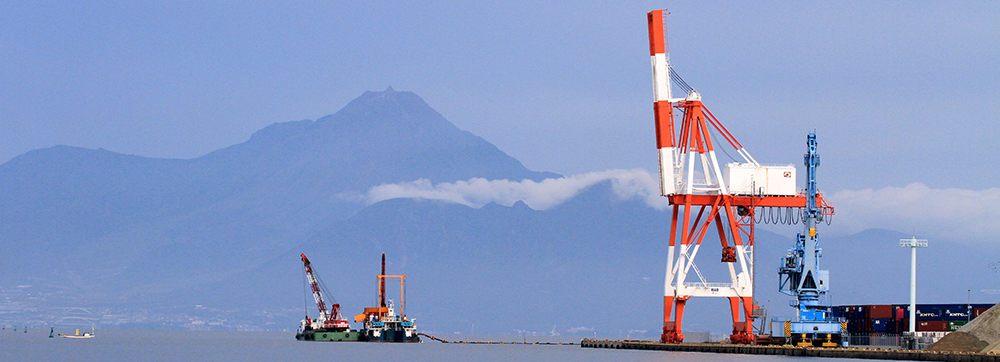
column 794, row 351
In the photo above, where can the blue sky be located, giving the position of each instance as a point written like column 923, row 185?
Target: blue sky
column 898, row 92
column 904, row 95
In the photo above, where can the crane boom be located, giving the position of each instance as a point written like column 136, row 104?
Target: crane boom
column 317, row 293
column 799, row 274
column 327, row 319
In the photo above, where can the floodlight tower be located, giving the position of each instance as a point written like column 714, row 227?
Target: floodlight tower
column 913, row 243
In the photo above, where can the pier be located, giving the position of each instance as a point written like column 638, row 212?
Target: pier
column 496, row 342
column 886, row 354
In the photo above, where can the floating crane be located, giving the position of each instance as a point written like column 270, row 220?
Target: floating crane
column 800, row 276
column 328, row 320
column 382, row 324
column 707, row 197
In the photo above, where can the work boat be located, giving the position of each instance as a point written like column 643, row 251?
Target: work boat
column 381, row 323
column 78, row 335
column 389, row 327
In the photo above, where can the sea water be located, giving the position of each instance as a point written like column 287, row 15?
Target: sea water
column 124, row 345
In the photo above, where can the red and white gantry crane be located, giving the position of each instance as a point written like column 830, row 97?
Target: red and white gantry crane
column 707, row 197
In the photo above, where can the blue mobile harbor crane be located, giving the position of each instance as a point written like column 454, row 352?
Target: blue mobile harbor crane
column 799, row 276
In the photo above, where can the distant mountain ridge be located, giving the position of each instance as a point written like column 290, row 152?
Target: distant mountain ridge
column 164, row 243
column 125, row 215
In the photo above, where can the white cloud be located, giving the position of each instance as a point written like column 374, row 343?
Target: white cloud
column 627, row 184
column 955, row 214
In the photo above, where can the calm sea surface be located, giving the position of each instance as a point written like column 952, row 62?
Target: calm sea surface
column 112, row 345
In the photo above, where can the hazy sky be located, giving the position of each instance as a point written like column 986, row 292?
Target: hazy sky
column 898, row 92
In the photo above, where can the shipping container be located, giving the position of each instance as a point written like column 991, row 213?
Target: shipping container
column 932, row 326
column 855, row 326
column 963, row 314
column 881, row 325
column 859, row 317
column 879, row 311
column 857, row 312
column 900, row 312
column 929, row 313
column 955, row 325
column 839, row 312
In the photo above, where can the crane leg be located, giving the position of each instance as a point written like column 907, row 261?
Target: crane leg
column 672, row 332
column 742, row 330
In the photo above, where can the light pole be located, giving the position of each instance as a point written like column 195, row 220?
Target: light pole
column 913, row 244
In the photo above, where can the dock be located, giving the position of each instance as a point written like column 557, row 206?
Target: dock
column 860, row 353
column 498, row 342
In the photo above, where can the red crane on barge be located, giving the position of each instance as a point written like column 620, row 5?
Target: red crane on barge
column 331, row 320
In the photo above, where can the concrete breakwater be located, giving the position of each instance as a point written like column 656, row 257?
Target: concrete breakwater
column 795, row 351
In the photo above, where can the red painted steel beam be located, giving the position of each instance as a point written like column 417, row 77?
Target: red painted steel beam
column 745, row 201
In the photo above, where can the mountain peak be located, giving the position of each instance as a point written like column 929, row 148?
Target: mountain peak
column 380, row 137
column 390, row 108
column 389, row 93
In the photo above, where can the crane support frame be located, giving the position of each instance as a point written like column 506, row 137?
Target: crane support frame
column 402, row 289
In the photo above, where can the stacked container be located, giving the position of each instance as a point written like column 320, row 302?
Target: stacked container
column 879, row 317
column 932, row 326
column 884, row 318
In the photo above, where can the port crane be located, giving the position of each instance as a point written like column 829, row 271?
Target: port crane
column 709, row 198
column 800, row 276
column 328, row 320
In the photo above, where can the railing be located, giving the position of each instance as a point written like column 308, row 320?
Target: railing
column 708, row 285
column 902, row 341
column 874, row 340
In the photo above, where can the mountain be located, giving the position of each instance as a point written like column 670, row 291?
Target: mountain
column 590, row 263
column 213, row 242
column 103, row 219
